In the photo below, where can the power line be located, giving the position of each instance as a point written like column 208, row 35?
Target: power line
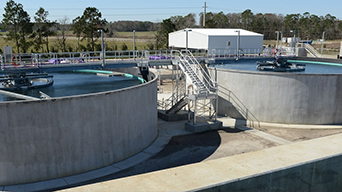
column 116, row 8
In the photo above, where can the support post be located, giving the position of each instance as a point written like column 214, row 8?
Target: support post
column 102, row 47
column 322, row 44
column 134, row 45
column 238, row 44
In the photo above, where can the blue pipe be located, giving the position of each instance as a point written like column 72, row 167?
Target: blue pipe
column 110, row 72
column 315, row 62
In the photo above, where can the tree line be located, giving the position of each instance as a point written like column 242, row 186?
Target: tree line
column 27, row 34
column 306, row 26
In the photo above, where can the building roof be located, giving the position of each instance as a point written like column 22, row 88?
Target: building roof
column 221, row 32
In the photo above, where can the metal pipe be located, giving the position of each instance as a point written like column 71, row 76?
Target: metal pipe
column 281, row 40
column 322, row 44
column 102, row 47
column 186, row 39
column 134, row 45
column 238, row 44
column 204, row 13
column 277, row 39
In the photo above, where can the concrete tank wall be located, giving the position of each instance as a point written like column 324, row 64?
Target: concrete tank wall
column 290, row 98
column 47, row 139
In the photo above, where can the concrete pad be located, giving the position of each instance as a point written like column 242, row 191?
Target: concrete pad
column 264, row 135
column 179, row 116
column 50, row 184
column 91, row 175
column 155, row 147
column 298, row 126
column 202, row 127
column 172, row 128
column 27, row 187
column 132, row 161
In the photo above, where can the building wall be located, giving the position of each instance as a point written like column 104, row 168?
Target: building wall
column 288, row 98
column 177, row 39
column 53, row 138
column 246, row 43
column 198, row 40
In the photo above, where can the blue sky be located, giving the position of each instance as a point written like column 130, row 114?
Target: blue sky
column 156, row 11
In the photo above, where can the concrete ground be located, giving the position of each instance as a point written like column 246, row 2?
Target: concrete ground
column 177, row 147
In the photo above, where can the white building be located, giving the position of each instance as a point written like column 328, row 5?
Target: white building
column 218, row 40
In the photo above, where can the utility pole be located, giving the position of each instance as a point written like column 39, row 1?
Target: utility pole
column 204, row 13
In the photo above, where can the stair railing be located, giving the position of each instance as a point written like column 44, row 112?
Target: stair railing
column 194, row 69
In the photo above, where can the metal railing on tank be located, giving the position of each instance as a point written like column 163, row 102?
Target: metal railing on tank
column 233, row 53
column 38, row 60
column 158, row 54
column 239, row 106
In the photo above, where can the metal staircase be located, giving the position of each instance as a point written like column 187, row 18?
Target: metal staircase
column 178, row 106
column 311, row 50
column 200, row 79
column 201, row 91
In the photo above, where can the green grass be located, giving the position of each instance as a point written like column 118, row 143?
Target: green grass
column 138, row 34
column 110, row 44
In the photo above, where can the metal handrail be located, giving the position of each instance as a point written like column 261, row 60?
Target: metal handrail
column 237, row 103
column 207, row 78
column 190, row 62
column 177, row 95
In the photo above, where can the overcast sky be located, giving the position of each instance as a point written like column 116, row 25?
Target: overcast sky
column 157, row 10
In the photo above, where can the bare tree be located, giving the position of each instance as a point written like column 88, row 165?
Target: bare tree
column 61, row 37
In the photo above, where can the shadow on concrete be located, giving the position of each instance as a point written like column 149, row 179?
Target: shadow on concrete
column 181, row 150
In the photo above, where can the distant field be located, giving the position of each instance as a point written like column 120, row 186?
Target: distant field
column 144, row 38
column 138, row 34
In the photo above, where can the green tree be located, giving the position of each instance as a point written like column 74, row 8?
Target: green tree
column 43, row 29
column 25, row 30
column 77, row 28
column 162, row 35
column 180, row 22
column 247, row 18
column 17, row 22
column 89, row 24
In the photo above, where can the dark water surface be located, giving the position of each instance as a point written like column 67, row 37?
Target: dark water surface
column 68, row 84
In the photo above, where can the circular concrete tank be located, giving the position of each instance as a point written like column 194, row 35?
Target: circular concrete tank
column 288, row 98
column 47, row 139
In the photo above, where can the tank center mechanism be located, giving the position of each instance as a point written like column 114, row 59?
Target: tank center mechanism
column 21, row 80
column 279, row 65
